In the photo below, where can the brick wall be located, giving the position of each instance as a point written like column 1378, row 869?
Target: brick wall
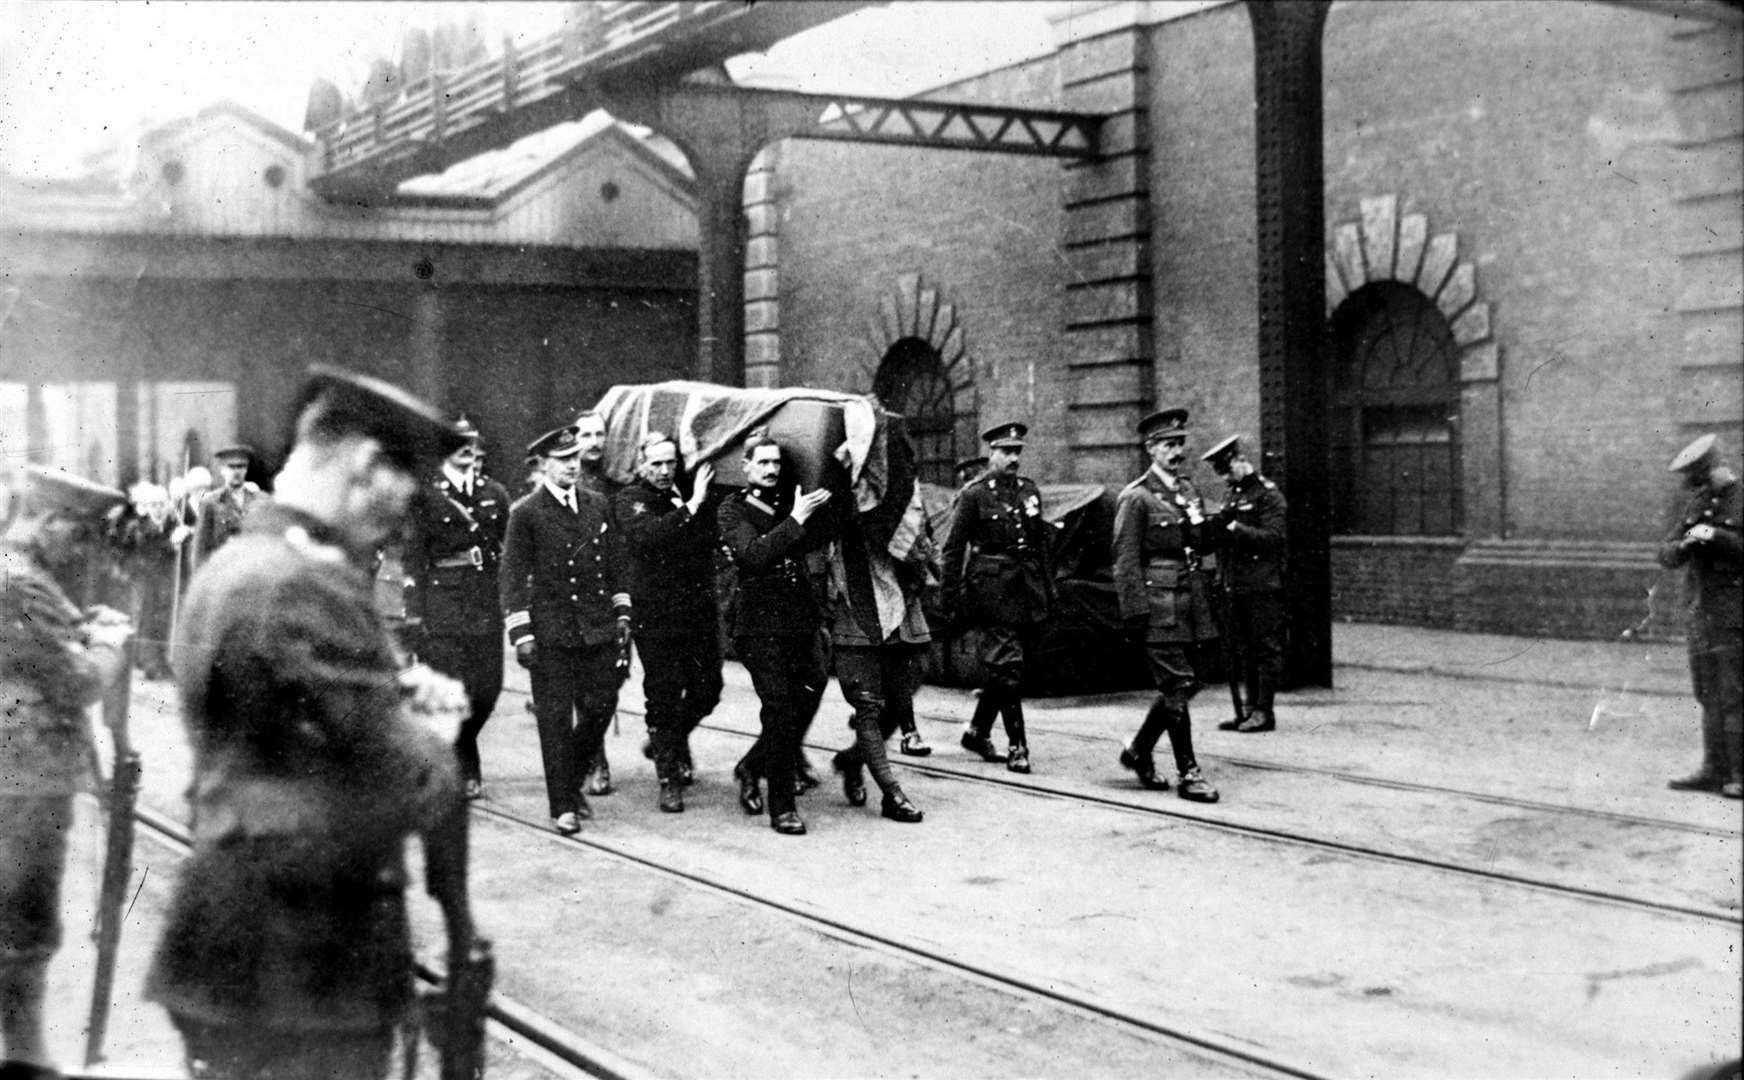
column 1401, row 581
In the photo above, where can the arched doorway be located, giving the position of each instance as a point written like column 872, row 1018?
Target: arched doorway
column 911, row 380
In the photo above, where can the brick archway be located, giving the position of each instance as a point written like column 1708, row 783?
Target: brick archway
column 913, row 310
column 1382, row 246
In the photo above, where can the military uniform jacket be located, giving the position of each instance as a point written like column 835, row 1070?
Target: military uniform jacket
column 309, row 774
column 220, row 517
column 1714, row 568
column 769, row 548
column 1156, row 548
column 452, row 552
column 998, row 554
column 49, row 672
column 1251, row 549
column 672, row 559
column 563, row 580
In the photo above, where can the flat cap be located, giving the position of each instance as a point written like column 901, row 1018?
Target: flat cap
column 560, row 443
column 1228, row 448
column 236, row 450
column 409, row 429
column 1695, row 454
column 1005, row 435
column 51, row 490
column 1164, row 424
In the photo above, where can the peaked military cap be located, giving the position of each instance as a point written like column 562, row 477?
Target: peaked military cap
column 971, row 464
column 467, row 429
column 1164, row 424
column 52, row 490
column 1005, row 435
column 560, row 443
column 238, row 450
column 409, row 428
column 1228, row 448
column 1698, row 453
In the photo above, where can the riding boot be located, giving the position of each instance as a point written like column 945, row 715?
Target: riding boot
column 1017, row 760
column 1180, row 732
column 975, row 738
column 1156, row 721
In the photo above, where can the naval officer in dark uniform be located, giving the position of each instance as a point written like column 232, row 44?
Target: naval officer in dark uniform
column 769, row 528
column 1160, row 535
column 452, row 549
column 998, row 575
column 671, row 535
column 567, row 611
column 1251, row 562
column 286, row 950
column 1708, row 542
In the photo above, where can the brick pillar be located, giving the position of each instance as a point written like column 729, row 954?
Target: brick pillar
column 1291, row 214
column 1110, row 338
column 762, row 272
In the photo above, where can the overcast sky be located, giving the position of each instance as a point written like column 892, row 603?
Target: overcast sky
column 74, row 75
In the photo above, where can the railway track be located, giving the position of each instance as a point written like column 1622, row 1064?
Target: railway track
column 535, row 1036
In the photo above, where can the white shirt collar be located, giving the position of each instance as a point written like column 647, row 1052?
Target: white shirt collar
column 459, row 480
column 566, row 496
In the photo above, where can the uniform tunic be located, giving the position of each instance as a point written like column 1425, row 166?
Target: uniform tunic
column 1714, row 586
column 49, row 673
column 775, row 624
column 1157, row 578
column 672, row 578
column 221, row 516
column 1251, row 560
column 309, row 773
column 998, row 572
column 564, row 588
column 451, row 554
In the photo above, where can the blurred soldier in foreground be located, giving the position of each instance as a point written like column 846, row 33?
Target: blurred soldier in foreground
column 286, row 950
column 671, row 536
column 999, row 576
column 769, row 528
column 877, row 632
column 590, row 437
column 223, row 509
column 54, row 661
column 1251, row 561
column 452, row 548
column 1160, row 533
column 568, row 617
column 1707, row 542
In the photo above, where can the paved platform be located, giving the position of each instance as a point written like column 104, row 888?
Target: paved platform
column 1594, row 725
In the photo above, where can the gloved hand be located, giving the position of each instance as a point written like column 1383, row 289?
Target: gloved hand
column 525, row 652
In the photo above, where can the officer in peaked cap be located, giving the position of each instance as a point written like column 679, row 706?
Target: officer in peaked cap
column 56, row 659
column 450, row 552
column 969, row 468
column 1708, row 544
column 221, row 511
column 1251, row 565
column 998, row 576
column 318, row 753
column 566, row 602
column 1160, row 534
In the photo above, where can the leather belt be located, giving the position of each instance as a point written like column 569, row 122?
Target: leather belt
column 472, row 556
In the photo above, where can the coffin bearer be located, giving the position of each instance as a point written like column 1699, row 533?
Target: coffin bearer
column 1706, row 542
column 1251, row 561
column 671, row 535
column 222, row 510
column 998, row 576
column 286, row 950
column 769, row 528
column 568, row 617
column 590, row 435
column 1160, row 534
column 452, row 548
column 54, row 661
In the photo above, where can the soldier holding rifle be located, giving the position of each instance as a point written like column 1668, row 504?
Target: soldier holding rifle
column 54, row 661
column 286, row 951
column 1160, row 535
column 1251, row 563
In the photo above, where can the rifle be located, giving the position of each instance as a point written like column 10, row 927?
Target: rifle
column 455, row 1013
column 117, row 858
